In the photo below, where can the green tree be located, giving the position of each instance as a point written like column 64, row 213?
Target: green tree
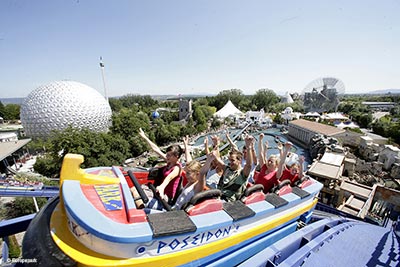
column 364, row 120
column 198, row 116
column 14, row 249
column 188, row 129
column 264, row 99
column 98, row 149
column 234, row 95
column 278, row 118
column 394, row 132
column 128, row 121
column 1, row 110
column 115, row 104
column 11, row 112
column 21, row 206
column 47, row 166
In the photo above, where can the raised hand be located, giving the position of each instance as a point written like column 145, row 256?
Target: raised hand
column 288, row 145
column 185, row 140
column 215, row 140
column 141, row 133
column 206, row 141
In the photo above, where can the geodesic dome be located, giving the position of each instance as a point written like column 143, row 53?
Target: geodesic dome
column 59, row 104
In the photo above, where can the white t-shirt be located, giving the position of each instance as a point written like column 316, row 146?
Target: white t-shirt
column 184, row 197
column 212, row 179
column 253, row 168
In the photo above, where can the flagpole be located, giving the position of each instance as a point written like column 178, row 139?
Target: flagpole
column 104, row 80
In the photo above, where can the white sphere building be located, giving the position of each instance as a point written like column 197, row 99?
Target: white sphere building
column 57, row 105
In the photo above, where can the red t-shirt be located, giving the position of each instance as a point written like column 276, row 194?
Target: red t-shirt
column 268, row 180
column 287, row 175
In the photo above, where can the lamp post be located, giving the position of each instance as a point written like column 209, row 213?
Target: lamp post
column 104, row 80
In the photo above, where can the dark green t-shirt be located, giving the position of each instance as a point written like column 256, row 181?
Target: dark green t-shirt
column 232, row 184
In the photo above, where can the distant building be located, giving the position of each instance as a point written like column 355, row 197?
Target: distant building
column 380, row 105
column 334, row 117
column 289, row 115
column 328, row 171
column 259, row 118
column 356, row 198
column 303, row 130
column 314, row 116
column 321, row 100
column 8, row 137
column 185, row 109
column 388, row 156
column 377, row 139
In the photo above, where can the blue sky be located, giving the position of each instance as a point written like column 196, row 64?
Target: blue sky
column 203, row 46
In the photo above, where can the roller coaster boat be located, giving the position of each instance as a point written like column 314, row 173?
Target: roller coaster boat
column 94, row 222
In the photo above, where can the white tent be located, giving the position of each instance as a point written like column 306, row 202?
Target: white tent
column 287, row 98
column 228, row 110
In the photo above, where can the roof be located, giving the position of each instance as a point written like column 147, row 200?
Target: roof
column 347, row 125
column 7, row 148
column 317, row 127
column 332, row 158
column 228, row 110
column 376, row 137
column 312, row 114
column 324, row 170
column 335, row 116
column 356, row 189
column 287, row 98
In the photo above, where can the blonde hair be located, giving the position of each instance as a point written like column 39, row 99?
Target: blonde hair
column 193, row 166
column 274, row 158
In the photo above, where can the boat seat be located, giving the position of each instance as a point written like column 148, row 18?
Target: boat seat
column 204, row 202
column 253, row 194
column 255, row 197
column 275, row 200
column 304, row 182
column 238, row 210
column 170, row 223
column 283, row 188
column 208, row 205
column 300, row 192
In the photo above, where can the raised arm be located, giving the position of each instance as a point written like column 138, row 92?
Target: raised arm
column 301, row 162
column 253, row 151
column 206, row 148
column 175, row 172
column 231, row 143
column 261, row 153
column 203, row 172
column 249, row 140
column 216, row 142
column 152, row 145
column 188, row 156
column 282, row 160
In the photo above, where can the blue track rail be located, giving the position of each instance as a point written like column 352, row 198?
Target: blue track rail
column 333, row 241
column 29, row 192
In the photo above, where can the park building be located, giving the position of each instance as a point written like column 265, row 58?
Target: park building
column 380, row 105
column 185, row 109
column 302, row 131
